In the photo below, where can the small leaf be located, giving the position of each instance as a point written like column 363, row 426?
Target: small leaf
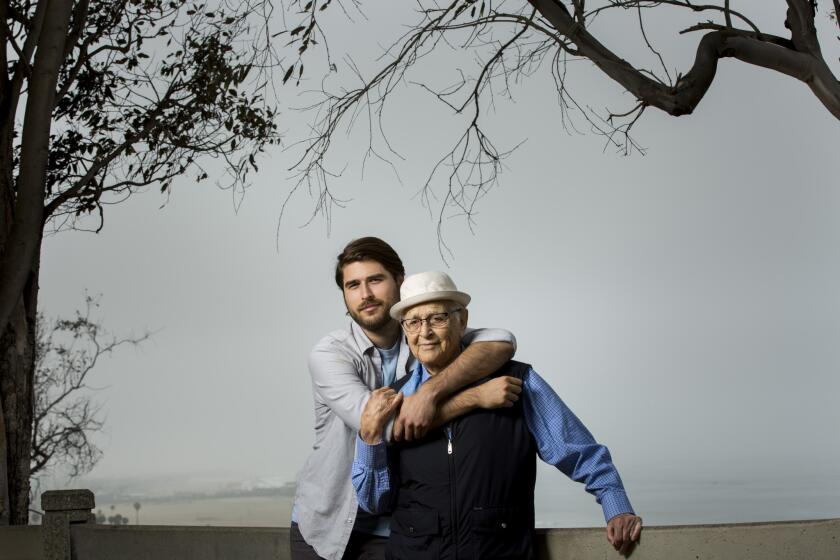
column 288, row 73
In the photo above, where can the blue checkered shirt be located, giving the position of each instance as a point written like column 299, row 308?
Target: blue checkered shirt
column 562, row 440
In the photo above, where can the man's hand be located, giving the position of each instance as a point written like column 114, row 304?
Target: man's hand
column 416, row 415
column 500, row 392
column 623, row 531
column 381, row 406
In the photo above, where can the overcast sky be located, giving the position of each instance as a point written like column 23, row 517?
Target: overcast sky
column 684, row 303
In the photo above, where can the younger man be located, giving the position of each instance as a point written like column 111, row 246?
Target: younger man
column 346, row 366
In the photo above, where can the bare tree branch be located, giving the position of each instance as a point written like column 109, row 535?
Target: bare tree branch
column 23, row 68
column 65, row 416
column 837, row 12
column 509, row 40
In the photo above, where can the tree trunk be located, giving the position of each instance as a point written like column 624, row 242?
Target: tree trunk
column 17, row 367
column 23, row 243
column 21, row 230
column 4, row 476
column 6, row 203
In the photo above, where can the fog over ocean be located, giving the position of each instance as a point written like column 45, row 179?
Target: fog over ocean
column 559, row 502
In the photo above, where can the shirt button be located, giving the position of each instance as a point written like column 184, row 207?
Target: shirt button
column 411, row 529
column 504, row 525
column 349, row 520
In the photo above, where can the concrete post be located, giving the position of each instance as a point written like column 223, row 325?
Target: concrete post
column 61, row 509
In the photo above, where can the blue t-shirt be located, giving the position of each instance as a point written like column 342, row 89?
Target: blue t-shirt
column 389, row 356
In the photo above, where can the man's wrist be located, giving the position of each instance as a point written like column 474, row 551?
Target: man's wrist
column 615, row 503
column 432, row 390
column 477, row 400
column 371, row 436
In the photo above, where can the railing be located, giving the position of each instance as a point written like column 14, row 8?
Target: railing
column 69, row 532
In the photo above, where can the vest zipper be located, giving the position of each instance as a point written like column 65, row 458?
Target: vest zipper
column 450, row 450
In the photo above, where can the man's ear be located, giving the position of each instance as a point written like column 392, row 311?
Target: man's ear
column 399, row 280
column 465, row 315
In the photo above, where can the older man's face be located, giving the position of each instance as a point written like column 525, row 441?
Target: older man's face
column 436, row 347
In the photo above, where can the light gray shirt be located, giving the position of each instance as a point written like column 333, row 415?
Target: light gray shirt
column 345, row 367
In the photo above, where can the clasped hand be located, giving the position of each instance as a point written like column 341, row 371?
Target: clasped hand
column 381, row 406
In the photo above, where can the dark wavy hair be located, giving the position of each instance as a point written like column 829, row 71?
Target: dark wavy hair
column 368, row 249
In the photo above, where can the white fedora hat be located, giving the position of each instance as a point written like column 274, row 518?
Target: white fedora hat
column 427, row 286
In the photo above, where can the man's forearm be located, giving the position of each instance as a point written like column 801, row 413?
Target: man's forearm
column 456, row 405
column 476, row 361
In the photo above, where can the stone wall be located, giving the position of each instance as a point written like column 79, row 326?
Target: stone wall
column 69, row 533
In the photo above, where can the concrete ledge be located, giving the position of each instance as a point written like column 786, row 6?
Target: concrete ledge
column 62, row 510
column 790, row 540
column 105, row 542
column 20, row 543
column 67, row 500
column 793, row 540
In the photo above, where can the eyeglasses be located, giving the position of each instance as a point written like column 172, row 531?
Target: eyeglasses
column 435, row 320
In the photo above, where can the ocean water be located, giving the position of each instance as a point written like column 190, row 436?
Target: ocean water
column 737, row 500
column 245, row 511
column 559, row 503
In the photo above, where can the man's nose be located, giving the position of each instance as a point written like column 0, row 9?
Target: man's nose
column 426, row 329
column 367, row 293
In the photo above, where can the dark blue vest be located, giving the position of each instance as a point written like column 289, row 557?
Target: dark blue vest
column 467, row 491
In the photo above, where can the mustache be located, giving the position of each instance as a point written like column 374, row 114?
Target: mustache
column 368, row 302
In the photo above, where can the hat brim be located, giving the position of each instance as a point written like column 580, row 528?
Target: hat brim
column 399, row 308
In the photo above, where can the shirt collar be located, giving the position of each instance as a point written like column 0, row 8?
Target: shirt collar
column 405, row 361
column 419, row 375
column 364, row 343
column 362, row 340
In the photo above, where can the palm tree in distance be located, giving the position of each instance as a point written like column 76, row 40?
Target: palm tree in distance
column 137, row 513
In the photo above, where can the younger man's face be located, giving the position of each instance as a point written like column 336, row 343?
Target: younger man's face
column 369, row 292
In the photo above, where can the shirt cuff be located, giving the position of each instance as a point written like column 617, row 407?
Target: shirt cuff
column 371, row 456
column 615, row 503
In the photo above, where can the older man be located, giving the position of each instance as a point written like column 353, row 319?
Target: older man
column 467, row 490
column 346, row 366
